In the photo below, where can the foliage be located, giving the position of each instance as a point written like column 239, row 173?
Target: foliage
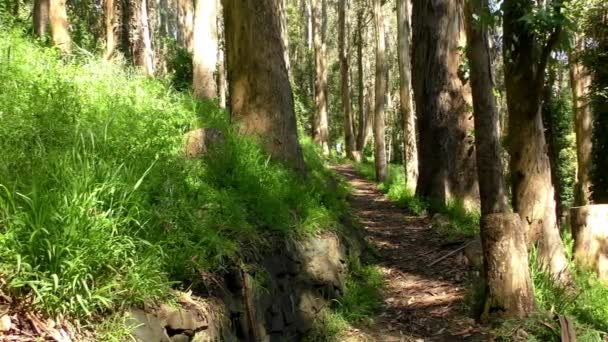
column 99, row 208
column 179, row 65
column 560, row 124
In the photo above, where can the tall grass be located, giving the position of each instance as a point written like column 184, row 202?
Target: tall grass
column 100, row 210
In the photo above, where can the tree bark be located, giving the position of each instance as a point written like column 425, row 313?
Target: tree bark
column 221, row 61
column 532, row 191
column 492, row 188
column 550, row 127
column 349, row 136
column 506, row 267
column 320, row 124
column 508, row 287
column 590, row 233
column 363, row 133
column 446, row 148
column 58, row 17
column 261, row 100
column 111, row 23
column 137, row 36
column 410, row 151
column 41, row 17
column 580, row 81
column 381, row 88
column 205, row 50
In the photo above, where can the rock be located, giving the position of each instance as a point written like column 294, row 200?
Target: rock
column 198, row 141
column 324, row 260
column 186, row 319
column 180, row 338
column 5, row 323
column 148, row 328
column 309, row 306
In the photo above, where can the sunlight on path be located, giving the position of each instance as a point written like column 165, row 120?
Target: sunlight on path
column 421, row 303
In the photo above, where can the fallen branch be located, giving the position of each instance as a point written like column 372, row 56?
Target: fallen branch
column 451, row 253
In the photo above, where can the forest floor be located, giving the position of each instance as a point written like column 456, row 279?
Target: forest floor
column 421, row 302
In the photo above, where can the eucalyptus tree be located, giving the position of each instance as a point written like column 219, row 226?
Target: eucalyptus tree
column 261, row 100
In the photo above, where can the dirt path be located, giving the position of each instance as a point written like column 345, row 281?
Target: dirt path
column 422, row 303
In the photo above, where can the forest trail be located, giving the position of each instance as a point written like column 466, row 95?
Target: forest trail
column 421, row 303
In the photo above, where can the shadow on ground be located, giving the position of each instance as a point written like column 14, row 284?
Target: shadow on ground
column 422, row 302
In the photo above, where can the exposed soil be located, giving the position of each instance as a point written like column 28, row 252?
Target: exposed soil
column 421, row 302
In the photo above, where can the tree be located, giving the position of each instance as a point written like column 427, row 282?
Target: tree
column 349, row 135
column 205, row 49
column 136, row 35
column 59, row 25
column 320, row 124
column 110, row 25
column 580, row 80
column 41, row 17
column 508, row 286
column 260, row 93
column 410, row 157
column 365, row 115
column 526, row 59
column 381, row 89
column 446, row 148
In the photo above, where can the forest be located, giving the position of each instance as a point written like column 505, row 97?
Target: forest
column 303, row 170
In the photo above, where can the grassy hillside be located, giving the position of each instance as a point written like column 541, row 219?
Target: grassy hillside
column 100, row 210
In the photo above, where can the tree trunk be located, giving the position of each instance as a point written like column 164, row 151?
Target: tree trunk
column 285, row 33
column 590, row 232
column 580, row 81
column 506, row 267
column 111, row 22
column 58, row 17
column 362, row 135
column 506, row 256
column 41, row 17
column 349, row 136
column 137, row 36
column 446, row 149
column 550, row 127
column 221, row 62
column 205, row 54
column 532, row 191
column 381, row 87
column 260, row 93
column 320, row 125
column 146, row 36
column 410, row 152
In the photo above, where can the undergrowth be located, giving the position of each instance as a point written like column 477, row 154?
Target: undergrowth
column 99, row 208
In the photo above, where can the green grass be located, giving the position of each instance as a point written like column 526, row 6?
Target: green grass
column 99, row 209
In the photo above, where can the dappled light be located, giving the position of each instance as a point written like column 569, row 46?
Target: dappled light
column 303, row 170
